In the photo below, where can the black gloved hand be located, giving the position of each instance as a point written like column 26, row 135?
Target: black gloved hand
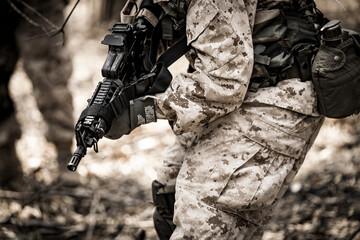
column 140, row 111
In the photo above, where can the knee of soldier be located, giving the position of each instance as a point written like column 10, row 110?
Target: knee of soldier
column 164, row 199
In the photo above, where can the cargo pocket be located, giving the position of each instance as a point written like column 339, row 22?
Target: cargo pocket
column 222, row 172
column 277, row 139
column 252, row 184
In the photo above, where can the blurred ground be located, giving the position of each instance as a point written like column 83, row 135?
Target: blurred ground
column 115, row 200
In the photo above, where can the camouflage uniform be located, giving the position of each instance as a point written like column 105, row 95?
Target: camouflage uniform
column 237, row 151
column 48, row 66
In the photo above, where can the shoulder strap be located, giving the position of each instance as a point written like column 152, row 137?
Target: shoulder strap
column 172, row 54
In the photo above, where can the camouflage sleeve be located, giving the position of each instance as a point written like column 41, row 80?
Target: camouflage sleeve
column 220, row 34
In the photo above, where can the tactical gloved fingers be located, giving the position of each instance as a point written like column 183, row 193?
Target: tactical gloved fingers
column 120, row 125
column 142, row 111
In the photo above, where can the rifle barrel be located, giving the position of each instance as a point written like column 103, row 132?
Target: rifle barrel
column 77, row 156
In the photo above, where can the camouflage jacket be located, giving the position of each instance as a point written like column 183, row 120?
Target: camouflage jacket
column 220, row 34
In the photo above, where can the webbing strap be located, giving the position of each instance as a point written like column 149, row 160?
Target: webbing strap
column 172, row 54
column 265, row 60
column 155, row 41
column 167, row 28
column 163, row 76
column 148, row 15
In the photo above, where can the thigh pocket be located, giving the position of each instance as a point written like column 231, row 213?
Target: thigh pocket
column 252, row 182
column 227, row 164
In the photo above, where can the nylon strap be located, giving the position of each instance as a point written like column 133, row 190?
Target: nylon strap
column 167, row 58
column 148, row 15
column 265, row 60
column 164, row 76
column 174, row 52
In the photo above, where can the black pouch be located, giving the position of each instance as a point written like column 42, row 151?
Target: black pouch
column 336, row 73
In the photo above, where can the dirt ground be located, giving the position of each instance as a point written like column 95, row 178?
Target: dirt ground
column 114, row 201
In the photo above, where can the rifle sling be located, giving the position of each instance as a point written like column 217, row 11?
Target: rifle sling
column 172, row 54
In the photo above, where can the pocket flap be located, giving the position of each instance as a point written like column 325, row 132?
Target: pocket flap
column 199, row 17
column 276, row 139
column 328, row 59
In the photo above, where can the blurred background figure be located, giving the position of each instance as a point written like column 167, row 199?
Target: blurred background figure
column 27, row 33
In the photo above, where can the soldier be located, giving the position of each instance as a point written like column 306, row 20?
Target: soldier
column 48, row 65
column 240, row 149
column 245, row 116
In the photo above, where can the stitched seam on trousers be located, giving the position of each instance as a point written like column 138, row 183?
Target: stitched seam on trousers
column 266, row 173
column 220, row 210
column 254, row 143
column 218, row 163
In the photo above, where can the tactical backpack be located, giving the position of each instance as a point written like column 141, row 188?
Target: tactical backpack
column 299, row 42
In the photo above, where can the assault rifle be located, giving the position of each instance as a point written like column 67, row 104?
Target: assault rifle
column 131, row 70
column 126, row 77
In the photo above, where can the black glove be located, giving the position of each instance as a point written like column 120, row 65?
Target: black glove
column 140, row 111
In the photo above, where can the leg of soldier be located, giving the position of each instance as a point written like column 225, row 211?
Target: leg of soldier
column 49, row 67
column 10, row 167
column 173, row 159
column 241, row 165
column 164, row 187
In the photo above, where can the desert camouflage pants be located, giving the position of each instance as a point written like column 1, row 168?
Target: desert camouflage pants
column 47, row 64
column 230, row 174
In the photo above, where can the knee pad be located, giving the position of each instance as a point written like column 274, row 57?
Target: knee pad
column 164, row 200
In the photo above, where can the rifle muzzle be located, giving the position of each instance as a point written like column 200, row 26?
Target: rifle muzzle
column 75, row 159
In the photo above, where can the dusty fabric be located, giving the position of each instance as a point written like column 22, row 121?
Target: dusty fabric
column 241, row 150
column 230, row 174
column 220, row 33
column 240, row 165
column 222, row 56
column 173, row 159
